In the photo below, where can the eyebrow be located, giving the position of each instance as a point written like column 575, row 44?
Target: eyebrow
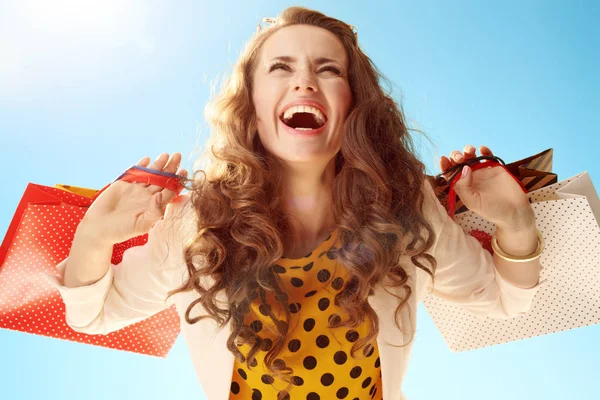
column 318, row 61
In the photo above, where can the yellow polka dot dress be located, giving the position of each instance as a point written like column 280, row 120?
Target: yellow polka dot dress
column 319, row 356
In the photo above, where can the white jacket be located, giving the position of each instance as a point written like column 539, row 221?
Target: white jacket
column 137, row 287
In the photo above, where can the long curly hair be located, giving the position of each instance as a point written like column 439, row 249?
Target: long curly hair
column 377, row 194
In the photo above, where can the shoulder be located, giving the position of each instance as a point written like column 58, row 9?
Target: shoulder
column 432, row 208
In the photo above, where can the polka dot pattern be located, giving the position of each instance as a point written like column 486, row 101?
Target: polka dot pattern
column 41, row 239
column 570, row 296
column 323, row 367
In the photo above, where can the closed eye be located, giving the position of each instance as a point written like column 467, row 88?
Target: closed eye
column 286, row 67
column 277, row 65
column 331, row 68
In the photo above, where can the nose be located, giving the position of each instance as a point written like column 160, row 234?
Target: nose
column 305, row 82
column 305, row 88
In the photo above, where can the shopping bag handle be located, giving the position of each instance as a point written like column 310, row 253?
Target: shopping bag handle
column 475, row 164
column 138, row 174
column 458, row 168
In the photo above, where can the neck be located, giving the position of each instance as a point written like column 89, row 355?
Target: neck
column 308, row 200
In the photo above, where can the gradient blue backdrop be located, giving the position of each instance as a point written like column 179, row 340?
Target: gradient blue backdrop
column 89, row 87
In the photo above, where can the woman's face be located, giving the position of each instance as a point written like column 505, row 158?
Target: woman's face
column 306, row 66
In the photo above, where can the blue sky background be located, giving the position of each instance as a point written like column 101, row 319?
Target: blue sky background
column 87, row 88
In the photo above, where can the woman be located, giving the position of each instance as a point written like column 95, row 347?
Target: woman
column 298, row 259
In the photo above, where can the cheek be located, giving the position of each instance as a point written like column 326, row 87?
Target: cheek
column 348, row 99
column 259, row 105
column 344, row 96
column 264, row 99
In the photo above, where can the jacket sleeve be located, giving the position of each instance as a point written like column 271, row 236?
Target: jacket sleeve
column 137, row 287
column 466, row 274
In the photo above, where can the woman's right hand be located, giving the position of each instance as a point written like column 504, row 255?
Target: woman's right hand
column 126, row 210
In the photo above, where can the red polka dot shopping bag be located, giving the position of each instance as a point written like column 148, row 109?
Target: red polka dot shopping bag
column 38, row 238
column 567, row 214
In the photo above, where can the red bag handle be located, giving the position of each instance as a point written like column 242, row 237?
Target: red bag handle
column 475, row 164
column 137, row 174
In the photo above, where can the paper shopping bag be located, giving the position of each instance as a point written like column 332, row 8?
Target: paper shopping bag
column 38, row 238
column 85, row 192
column 567, row 213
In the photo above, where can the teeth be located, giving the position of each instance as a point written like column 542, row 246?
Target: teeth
column 304, row 109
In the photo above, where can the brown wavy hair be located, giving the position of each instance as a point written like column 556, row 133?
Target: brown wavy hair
column 377, row 195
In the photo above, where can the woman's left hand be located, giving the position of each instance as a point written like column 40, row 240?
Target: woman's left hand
column 490, row 192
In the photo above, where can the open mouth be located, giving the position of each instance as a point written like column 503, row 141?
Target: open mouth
column 303, row 118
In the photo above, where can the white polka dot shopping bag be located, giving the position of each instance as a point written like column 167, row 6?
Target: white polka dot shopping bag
column 568, row 215
column 38, row 238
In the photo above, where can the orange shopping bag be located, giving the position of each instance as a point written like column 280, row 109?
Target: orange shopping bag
column 39, row 237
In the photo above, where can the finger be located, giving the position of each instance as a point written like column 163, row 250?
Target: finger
column 170, row 167
column 160, row 162
column 485, row 151
column 446, row 164
column 469, row 152
column 159, row 204
column 169, row 195
column 173, row 163
column 155, row 211
column 456, row 157
column 143, row 162
column 182, row 172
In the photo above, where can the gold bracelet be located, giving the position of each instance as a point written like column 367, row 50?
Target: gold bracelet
column 536, row 254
